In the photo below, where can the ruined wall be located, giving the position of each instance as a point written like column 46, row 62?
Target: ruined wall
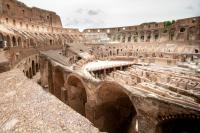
column 25, row 31
column 109, row 105
column 180, row 30
column 15, row 13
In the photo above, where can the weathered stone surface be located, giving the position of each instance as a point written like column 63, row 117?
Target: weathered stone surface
column 26, row 107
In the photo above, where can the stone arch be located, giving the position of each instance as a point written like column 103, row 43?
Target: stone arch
column 142, row 36
column 182, row 123
column 32, row 44
column 33, row 67
column 156, row 35
column 58, row 82
column 51, row 42
column 8, row 41
column 148, row 36
column 19, row 40
column 196, row 51
column 114, row 110
column 1, row 41
column 14, row 41
column 77, row 96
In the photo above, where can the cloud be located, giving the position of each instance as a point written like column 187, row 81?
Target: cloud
column 83, row 22
column 80, row 11
column 190, row 7
column 89, row 12
column 93, row 12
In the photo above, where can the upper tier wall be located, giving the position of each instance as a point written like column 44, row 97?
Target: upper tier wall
column 13, row 12
column 181, row 30
column 147, row 26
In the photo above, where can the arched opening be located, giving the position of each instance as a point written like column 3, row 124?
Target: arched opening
column 51, row 42
column 8, row 6
column 14, row 42
column 26, row 73
column 182, row 29
column 183, row 124
column 196, row 51
column 142, row 38
column 77, row 97
column 19, row 40
column 115, row 112
column 2, row 45
column 148, row 34
column 32, row 44
column 8, row 41
column 117, row 51
column 33, row 68
column 58, row 82
column 7, row 20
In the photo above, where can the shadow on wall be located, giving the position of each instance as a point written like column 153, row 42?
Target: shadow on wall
column 179, row 125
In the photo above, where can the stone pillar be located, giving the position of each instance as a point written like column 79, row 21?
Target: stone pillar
column 152, row 37
column 145, row 36
column 90, row 111
column 139, row 37
column 104, row 72
column 146, row 124
column 64, row 94
column 126, row 38
column 121, row 38
column 186, row 35
column 132, row 38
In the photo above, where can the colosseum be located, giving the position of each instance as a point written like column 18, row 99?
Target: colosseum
column 133, row 79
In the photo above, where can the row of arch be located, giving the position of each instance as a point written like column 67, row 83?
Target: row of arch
column 183, row 33
column 148, row 51
column 112, row 110
column 31, row 66
column 10, row 41
column 107, row 114
column 179, row 123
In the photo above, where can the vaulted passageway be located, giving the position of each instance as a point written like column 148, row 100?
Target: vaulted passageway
column 77, row 97
column 184, row 124
column 115, row 112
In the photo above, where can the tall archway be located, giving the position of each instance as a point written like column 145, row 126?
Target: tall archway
column 33, row 68
column 179, row 124
column 58, row 82
column 37, row 67
column 1, row 41
column 115, row 112
column 14, row 42
column 8, row 41
column 32, row 44
column 77, row 97
column 19, row 40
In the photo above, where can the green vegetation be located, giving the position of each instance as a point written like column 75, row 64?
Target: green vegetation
column 169, row 23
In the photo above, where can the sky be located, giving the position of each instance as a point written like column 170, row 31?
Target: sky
column 84, row 14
